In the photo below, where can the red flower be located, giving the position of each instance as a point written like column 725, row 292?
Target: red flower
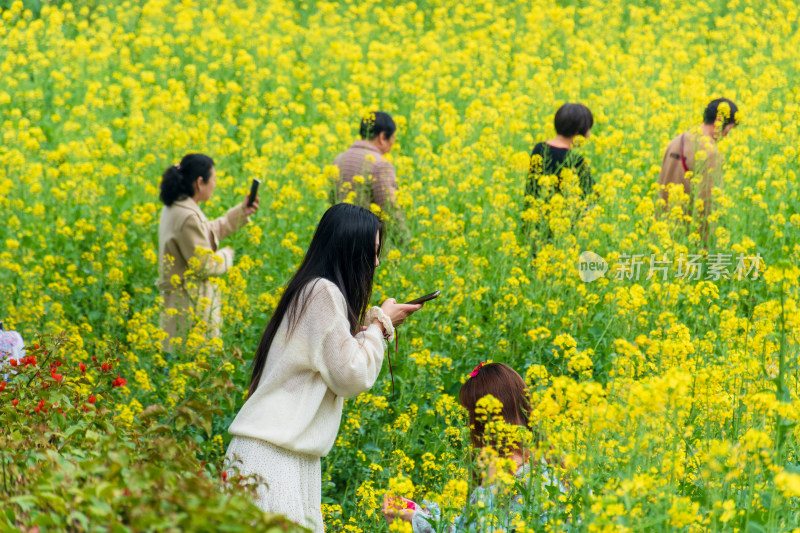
column 91, row 399
column 36, row 346
column 224, row 476
column 13, row 362
column 475, row 370
column 14, row 402
column 40, row 406
column 104, row 367
column 54, row 375
column 82, row 368
column 2, row 386
column 119, row 382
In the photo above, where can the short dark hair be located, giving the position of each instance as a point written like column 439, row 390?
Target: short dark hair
column 375, row 123
column 573, row 119
column 710, row 114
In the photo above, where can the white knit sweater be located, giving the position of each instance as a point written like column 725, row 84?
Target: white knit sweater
column 299, row 399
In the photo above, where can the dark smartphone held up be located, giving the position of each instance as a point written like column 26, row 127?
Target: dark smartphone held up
column 253, row 191
column 423, row 299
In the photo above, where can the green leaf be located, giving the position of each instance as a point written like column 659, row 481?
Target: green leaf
column 152, row 411
column 79, row 517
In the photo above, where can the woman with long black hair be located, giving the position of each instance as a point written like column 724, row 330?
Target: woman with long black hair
column 314, row 353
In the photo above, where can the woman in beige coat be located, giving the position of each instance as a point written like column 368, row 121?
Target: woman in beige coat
column 184, row 232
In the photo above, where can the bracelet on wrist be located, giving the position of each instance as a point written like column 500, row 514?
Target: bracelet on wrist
column 376, row 314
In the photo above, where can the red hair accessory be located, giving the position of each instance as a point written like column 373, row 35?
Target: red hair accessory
column 475, row 370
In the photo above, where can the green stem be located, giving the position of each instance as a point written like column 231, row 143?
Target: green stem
column 5, row 482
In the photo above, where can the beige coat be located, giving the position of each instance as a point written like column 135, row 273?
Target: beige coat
column 182, row 231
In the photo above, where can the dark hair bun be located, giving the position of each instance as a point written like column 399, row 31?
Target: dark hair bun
column 178, row 180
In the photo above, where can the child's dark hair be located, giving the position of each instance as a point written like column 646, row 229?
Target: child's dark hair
column 376, row 123
column 178, row 180
column 710, row 114
column 573, row 119
column 505, row 384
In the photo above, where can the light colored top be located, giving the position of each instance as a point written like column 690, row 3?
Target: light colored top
column 183, row 229
column 11, row 347
column 495, row 508
column 299, row 399
column 380, row 180
column 702, row 158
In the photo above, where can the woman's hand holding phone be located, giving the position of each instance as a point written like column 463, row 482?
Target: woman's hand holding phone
column 248, row 208
column 398, row 313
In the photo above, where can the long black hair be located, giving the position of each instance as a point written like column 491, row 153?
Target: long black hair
column 341, row 251
column 178, row 180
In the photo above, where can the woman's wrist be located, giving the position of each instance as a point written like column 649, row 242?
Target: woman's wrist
column 380, row 325
column 375, row 315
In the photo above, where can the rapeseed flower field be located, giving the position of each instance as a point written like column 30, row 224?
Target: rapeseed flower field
column 671, row 398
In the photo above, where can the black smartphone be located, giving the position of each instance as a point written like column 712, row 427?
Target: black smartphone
column 253, row 191
column 425, row 298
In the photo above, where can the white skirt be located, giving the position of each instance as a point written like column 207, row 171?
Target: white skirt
column 292, row 482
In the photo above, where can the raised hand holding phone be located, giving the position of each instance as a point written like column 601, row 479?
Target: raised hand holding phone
column 398, row 313
column 253, row 196
column 250, row 204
